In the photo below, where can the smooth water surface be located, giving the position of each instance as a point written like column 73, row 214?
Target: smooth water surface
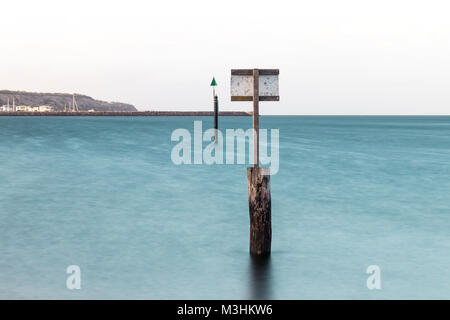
column 102, row 193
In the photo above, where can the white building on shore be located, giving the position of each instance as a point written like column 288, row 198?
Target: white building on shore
column 34, row 109
column 45, row 108
column 22, row 108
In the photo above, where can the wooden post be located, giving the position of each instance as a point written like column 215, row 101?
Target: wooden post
column 258, row 179
column 255, row 117
column 260, row 207
column 216, row 117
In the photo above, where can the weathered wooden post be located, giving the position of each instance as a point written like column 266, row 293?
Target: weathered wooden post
column 260, row 207
column 216, row 109
column 255, row 85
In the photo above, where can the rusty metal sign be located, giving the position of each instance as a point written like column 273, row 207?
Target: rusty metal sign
column 242, row 85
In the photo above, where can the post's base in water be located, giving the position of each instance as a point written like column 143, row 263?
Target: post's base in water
column 259, row 205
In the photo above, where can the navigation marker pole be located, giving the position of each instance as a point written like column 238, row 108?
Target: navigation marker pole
column 216, row 109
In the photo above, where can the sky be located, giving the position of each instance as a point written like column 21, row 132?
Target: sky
column 335, row 57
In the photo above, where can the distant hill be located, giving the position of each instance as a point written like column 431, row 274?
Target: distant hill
column 58, row 100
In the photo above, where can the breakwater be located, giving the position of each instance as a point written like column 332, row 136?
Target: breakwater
column 125, row 114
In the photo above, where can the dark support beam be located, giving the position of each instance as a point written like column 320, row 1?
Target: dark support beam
column 216, row 117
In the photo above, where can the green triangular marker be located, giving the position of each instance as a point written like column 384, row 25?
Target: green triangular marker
column 213, row 82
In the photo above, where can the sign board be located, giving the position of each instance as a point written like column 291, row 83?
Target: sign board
column 242, row 85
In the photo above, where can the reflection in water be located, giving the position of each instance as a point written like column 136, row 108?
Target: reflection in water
column 260, row 277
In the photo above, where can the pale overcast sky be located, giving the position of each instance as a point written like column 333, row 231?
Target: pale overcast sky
column 335, row 57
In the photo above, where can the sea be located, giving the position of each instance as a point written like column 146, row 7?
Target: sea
column 352, row 193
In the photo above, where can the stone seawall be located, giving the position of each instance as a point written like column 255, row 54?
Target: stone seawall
column 126, row 114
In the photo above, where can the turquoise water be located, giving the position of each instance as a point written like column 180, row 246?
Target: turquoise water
column 103, row 194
